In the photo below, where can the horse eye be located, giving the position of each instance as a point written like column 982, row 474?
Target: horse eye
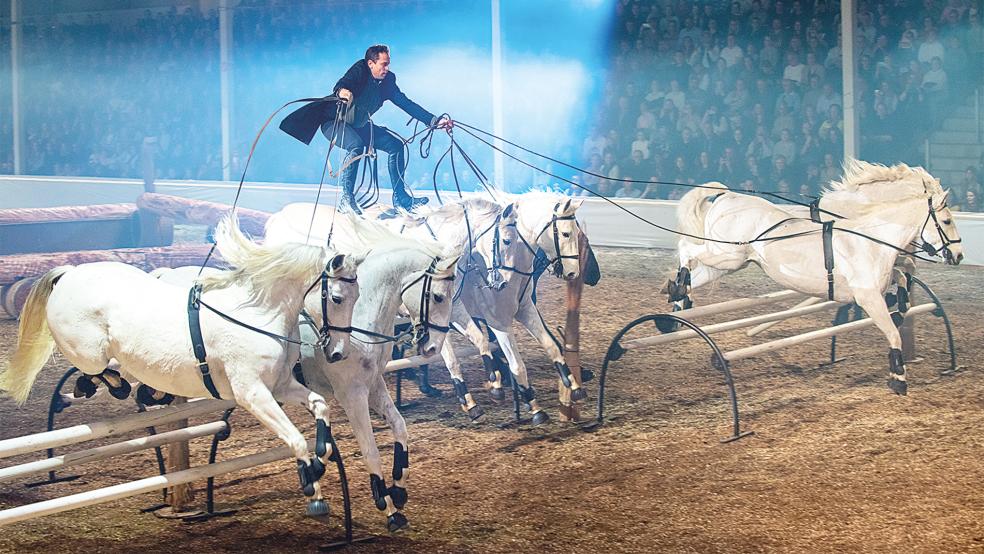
column 566, row 235
column 438, row 298
column 336, row 299
column 947, row 221
column 506, row 242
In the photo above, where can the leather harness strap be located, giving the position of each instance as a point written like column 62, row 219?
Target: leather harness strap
column 197, row 342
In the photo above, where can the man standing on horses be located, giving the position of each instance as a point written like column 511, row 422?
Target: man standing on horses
column 364, row 88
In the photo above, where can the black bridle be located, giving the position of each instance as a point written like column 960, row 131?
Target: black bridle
column 421, row 330
column 324, row 333
column 945, row 240
column 556, row 261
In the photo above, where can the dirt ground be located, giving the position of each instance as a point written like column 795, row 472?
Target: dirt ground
column 836, row 463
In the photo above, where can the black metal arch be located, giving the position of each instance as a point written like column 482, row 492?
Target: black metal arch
column 615, row 352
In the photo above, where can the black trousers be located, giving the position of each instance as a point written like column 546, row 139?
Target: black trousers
column 355, row 140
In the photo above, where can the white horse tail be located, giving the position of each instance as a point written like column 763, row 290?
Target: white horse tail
column 34, row 341
column 693, row 207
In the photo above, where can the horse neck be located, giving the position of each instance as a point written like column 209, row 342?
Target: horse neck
column 897, row 223
column 531, row 225
column 381, row 278
column 458, row 233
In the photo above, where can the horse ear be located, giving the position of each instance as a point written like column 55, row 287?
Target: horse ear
column 506, row 213
column 357, row 259
column 337, row 262
column 567, row 207
column 448, row 264
column 576, row 203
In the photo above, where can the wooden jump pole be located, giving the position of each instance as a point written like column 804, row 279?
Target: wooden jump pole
column 107, row 428
column 729, row 325
column 765, row 326
column 571, row 337
column 738, row 304
column 150, row 484
column 110, row 450
column 779, row 344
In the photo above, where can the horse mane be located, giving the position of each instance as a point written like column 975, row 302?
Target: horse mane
column 261, row 268
column 876, row 184
column 543, row 196
column 452, row 213
column 357, row 233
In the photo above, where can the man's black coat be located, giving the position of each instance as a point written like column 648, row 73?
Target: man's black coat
column 368, row 96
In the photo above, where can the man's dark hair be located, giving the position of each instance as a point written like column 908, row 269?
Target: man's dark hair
column 373, row 52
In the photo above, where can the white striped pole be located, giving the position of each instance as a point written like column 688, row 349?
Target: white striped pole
column 728, row 325
column 779, row 344
column 133, row 488
column 110, row 450
column 107, row 428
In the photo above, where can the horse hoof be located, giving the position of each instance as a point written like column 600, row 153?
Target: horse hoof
column 318, row 508
column 121, row 392
column 84, row 387
column 579, row 395
column 398, row 495
column 900, row 388
column 586, row 375
column 498, row 395
column 396, row 522
column 431, row 392
column 540, row 418
column 667, row 325
column 475, row 412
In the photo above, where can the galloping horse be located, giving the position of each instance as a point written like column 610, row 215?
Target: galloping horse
column 885, row 209
column 106, row 311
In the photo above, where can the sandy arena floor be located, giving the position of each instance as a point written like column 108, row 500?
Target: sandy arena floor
column 837, row 463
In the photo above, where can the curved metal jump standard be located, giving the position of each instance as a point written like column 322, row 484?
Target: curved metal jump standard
column 55, row 406
column 941, row 313
column 615, row 352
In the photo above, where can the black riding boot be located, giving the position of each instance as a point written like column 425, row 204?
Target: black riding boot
column 401, row 199
column 346, row 199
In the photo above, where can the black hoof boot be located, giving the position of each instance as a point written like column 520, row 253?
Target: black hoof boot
column 318, row 508
column 121, row 392
column 398, row 495
column 84, row 387
column 396, row 522
column 579, row 395
column 540, row 418
column 900, row 388
column 431, row 392
column 475, row 412
column 497, row 394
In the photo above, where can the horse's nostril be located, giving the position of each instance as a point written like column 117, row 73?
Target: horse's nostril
column 336, row 356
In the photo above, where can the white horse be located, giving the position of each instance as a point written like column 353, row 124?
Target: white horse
column 892, row 207
column 397, row 270
column 107, row 310
column 534, row 220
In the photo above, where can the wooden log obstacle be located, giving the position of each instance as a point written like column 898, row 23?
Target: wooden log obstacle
column 35, row 240
column 722, row 359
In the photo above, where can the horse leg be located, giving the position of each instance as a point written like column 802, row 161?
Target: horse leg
column 532, row 320
column 898, row 300
column 468, row 404
column 519, row 374
column 873, row 303
column 382, row 403
column 465, row 325
column 259, row 401
column 295, row 393
column 356, row 405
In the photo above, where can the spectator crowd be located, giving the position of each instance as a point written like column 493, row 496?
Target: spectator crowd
column 745, row 92
column 748, row 92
